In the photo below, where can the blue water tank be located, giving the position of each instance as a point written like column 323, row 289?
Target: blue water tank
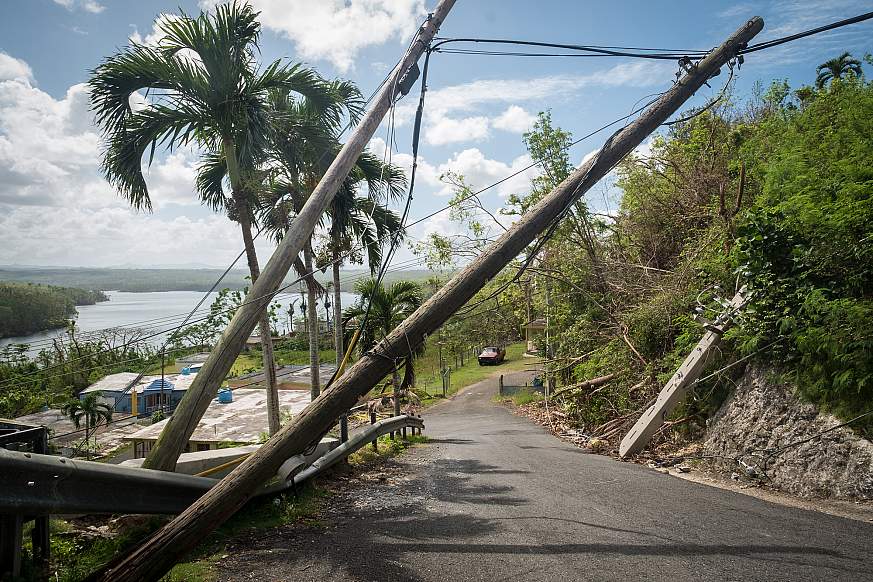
column 225, row 396
column 186, row 371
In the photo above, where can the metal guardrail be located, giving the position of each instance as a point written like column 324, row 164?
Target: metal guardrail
column 35, row 485
column 357, row 441
column 44, row 484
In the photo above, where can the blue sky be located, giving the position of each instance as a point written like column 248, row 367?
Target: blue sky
column 56, row 210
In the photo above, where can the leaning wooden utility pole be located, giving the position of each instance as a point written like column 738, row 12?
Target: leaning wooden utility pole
column 205, row 386
column 155, row 557
column 680, row 383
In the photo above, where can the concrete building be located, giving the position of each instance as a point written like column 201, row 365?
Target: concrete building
column 243, row 420
column 290, row 377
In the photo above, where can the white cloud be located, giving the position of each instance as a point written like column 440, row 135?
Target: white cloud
column 447, row 130
column 172, row 180
column 12, row 69
column 515, row 120
column 471, row 96
column 91, row 6
column 114, row 236
column 55, row 207
column 426, row 174
column 154, row 37
column 336, row 30
column 480, row 171
column 444, row 122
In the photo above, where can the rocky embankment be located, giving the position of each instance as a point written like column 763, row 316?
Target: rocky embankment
column 750, row 433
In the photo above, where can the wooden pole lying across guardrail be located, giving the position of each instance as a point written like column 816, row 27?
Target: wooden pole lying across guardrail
column 155, row 557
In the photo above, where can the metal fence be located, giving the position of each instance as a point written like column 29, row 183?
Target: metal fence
column 510, row 386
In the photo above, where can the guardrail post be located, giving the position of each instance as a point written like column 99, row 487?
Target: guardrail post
column 373, row 421
column 39, row 537
column 500, row 385
column 10, row 545
column 344, row 428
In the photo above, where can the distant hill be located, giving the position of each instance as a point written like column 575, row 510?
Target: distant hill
column 144, row 280
column 26, row 308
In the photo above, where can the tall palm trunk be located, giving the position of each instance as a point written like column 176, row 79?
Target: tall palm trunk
column 312, row 315
column 338, row 327
column 255, row 271
column 265, row 333
column 337, row 307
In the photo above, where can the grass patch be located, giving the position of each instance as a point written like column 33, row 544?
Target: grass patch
column 202, row 570
column 386, row 448
column 74, row 556
column 470, row 373
column 523, row 397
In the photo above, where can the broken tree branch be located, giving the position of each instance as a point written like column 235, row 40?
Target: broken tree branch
column 593, row 383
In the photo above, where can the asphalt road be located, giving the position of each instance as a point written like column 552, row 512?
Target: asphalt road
column 494, row 497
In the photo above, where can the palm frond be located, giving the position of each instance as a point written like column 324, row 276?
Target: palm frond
column 211, row 176
column 147, row 129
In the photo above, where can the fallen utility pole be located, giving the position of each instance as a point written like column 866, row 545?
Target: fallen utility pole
column 181, row 425
column 157, row 555
column 677, row 387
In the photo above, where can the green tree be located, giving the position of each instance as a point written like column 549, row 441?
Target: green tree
column 91, row 412
column 204, row 88
column 389, row 307
column 836, row 69
column 307, row 142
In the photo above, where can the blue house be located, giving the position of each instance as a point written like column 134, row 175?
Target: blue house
column 115, row 390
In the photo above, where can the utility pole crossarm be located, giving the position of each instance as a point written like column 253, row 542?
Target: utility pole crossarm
column 155, row 556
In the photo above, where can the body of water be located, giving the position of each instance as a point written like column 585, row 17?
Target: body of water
column 157, row 313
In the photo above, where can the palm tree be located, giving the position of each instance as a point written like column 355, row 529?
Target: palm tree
column 204, row 87
column 307, row 141
column 390, row 306
column 836, row 69
column 361, row 219
column 92, row 410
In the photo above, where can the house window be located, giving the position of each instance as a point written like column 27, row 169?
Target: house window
column 202, row 447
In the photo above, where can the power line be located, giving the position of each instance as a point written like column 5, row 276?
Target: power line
column 592, row 50
column 827, row 27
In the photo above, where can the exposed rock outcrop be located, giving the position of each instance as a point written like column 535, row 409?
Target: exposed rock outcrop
column 762, row 415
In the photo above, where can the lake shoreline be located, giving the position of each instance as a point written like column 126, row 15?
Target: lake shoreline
column 158, row 312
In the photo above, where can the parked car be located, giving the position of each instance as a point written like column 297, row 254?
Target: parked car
column 491, row 355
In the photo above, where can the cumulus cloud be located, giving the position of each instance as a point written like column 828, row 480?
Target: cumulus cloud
column 445, row 130
column 12, row 69
column 515, row 120
column 336, row 30
column 115, row 236
column 480, row 171
column 448, row 116
column 471, row 96
column 55, row 208
column 91, row 6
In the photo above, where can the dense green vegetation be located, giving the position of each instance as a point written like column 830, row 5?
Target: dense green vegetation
column 28, row 308
column 774, row 192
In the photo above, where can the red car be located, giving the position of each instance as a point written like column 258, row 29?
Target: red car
column 491, row 355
